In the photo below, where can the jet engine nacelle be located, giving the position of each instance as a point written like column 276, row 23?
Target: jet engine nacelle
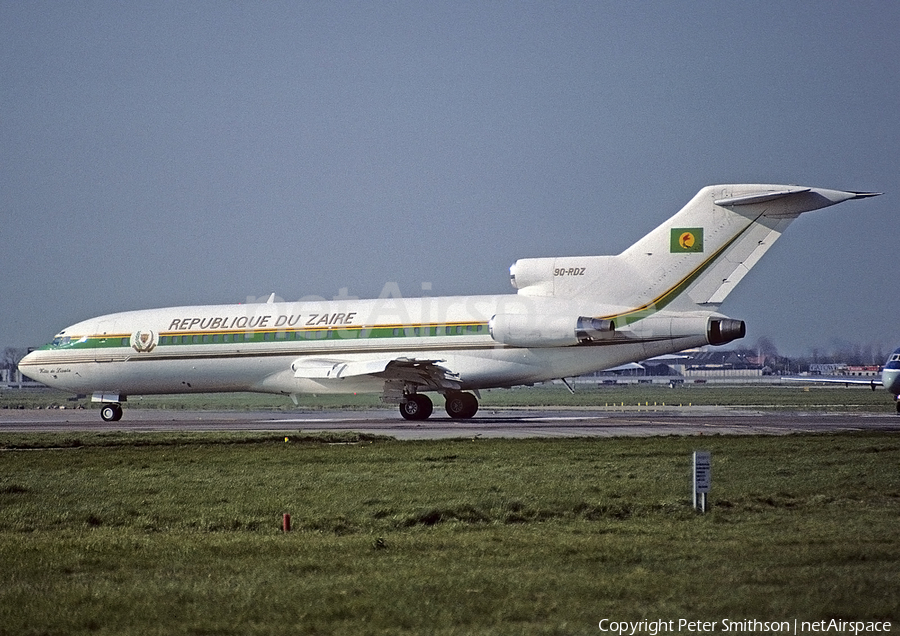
column 717, row 330
column 721, row 331
column 540, row 330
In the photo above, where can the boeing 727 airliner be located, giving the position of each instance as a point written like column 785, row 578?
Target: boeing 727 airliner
column 569, row 316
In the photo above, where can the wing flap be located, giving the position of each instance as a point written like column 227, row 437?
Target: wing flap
column 325, row 369
column 428, row 374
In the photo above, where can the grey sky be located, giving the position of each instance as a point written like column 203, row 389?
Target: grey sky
column 169, row 153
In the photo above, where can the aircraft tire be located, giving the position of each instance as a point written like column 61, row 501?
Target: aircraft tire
column 111, row 412
column 417, row 407
column 461, row 406
column 898, row 407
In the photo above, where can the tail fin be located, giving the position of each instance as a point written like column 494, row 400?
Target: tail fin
column 694, row 259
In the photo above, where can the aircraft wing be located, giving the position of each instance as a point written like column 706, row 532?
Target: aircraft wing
column 835, row 379
column 428, row 374
column 335, row 369
column 630, row 366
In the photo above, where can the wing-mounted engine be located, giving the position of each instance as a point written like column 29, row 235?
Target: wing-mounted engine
column 542, row 330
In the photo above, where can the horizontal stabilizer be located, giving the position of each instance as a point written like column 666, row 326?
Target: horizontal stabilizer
column 816, row 197
column 762, row 197
column 865, row 195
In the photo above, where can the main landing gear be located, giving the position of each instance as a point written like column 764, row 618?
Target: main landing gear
column 460, row 406
column 416, row 407
column 111, row 412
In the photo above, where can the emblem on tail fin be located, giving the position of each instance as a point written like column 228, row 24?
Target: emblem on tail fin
column 686, row 239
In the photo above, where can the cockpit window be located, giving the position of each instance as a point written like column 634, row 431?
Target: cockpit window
column 61, row 341
column 895, row 357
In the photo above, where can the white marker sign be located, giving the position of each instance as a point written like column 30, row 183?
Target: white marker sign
column 702, row 477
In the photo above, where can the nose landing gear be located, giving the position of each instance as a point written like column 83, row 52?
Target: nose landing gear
column 111, row 412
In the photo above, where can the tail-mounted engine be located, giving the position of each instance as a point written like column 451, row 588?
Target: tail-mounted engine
column 721, row 331
column 541, row 330
column 700, row 328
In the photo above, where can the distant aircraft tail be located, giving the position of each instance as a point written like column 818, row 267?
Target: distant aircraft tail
column 690, row 262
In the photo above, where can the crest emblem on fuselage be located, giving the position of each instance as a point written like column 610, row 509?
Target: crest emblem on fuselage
column 143, row 341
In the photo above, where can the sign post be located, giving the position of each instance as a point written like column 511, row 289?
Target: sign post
column 702, row 478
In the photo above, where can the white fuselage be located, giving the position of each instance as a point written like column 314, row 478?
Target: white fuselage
column 259, row 347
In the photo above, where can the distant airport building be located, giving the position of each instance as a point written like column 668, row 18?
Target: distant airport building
column 721, row 364
column 695, row 365
column 842, row 369
column 869, row 371
column 828, row 369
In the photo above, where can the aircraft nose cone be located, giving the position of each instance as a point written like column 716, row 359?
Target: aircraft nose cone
column 27, row 365
column 891, row 380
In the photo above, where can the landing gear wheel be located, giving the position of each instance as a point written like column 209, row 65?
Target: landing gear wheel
column 416, row 407
column 461, row 406
column 898, row 407
column 111, row 412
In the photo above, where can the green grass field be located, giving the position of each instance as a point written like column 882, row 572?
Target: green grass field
column 181, row 534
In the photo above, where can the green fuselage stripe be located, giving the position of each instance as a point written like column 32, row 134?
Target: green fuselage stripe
column 257, row 336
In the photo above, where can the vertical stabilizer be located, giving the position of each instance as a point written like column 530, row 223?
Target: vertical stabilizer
column 693, row 259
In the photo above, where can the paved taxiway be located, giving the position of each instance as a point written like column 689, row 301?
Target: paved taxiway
column 518, row 423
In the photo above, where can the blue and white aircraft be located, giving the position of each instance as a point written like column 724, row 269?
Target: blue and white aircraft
column 890, row 378
column 570, row 316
